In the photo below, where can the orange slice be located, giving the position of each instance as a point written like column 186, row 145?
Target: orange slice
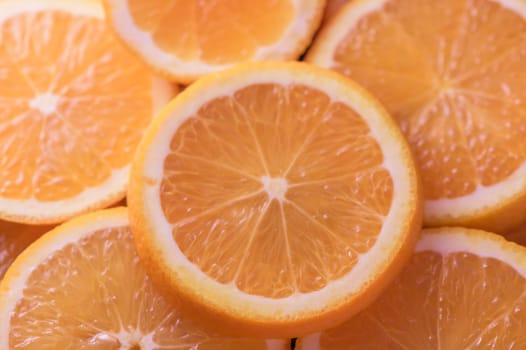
column 83, row 286
column 14, row 238
column 74, row 105
column 452, row 74
column 186, row 39
column 463, row 289
column 274, row 199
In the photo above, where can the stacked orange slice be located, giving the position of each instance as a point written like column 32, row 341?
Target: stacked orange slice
column 451, row 72
column 276, row 198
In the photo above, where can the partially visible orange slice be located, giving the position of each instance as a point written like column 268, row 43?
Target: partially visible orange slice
column 274, row 198
column 82, row 286
column 451, row 72
column 463, row 289
column 186, row 39
column 14, row 238
column 74, row 105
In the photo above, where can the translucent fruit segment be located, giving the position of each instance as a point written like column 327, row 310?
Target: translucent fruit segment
column 121, row 308
column 217, row 32
column 295, row 183
column 69, row 84
column 452, row 73
column 449, row 302
column 14, row 238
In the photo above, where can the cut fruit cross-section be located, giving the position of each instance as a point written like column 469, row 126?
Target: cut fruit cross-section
column 451, row 72
column 463, row 289
column 73, row 107
column 186, row 39
column 276, row 198
column 82, row 286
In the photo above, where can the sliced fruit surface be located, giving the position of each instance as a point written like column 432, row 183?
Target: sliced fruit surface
column 275, row 197
column 82, row 286
column 74, row 105
column 186, row 39
column 14, row 238
column 463, row 289
column 451, row 72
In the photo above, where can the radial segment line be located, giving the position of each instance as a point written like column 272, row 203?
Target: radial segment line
column 251, row 239
column 75, row 131
column 253, row 134
column 319, row 224
column 218, row 165
column 306, row 141
column 217, row 207
column 474, row 69
column 463, row 138
column 287, row 245
column 403, row 30
column 335, row 178
column 496, row 320
column 386, row 332
column 102, row 284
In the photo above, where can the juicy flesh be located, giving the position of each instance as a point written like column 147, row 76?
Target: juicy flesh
column 95, row 294
column 276, row 189
column 14, row 238
column 216, row 32
column 452, row 73
column 73, row 105
column 457, row 301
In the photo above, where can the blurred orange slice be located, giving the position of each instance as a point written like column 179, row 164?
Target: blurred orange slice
column 274, row 198
column 451, row 72
column 463, row 289
column 73, row 106
column 83, row 286
column 186, row 39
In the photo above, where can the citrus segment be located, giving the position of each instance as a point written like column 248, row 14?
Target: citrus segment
column 449, row 296
column 451, row 74
column 91, row 261
column 187, row 39
column 14, row 238
column 274, row 196
column 75, row 109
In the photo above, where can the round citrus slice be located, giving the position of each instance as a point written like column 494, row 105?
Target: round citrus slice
column 14, row 238
column 186, row 39
column 451, row 72
column 82, row 286
column 274, row 198
column 74, row 105
column 463, row 289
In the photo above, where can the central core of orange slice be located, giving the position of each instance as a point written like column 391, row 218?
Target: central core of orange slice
column 275, row 187
column 45, row 103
